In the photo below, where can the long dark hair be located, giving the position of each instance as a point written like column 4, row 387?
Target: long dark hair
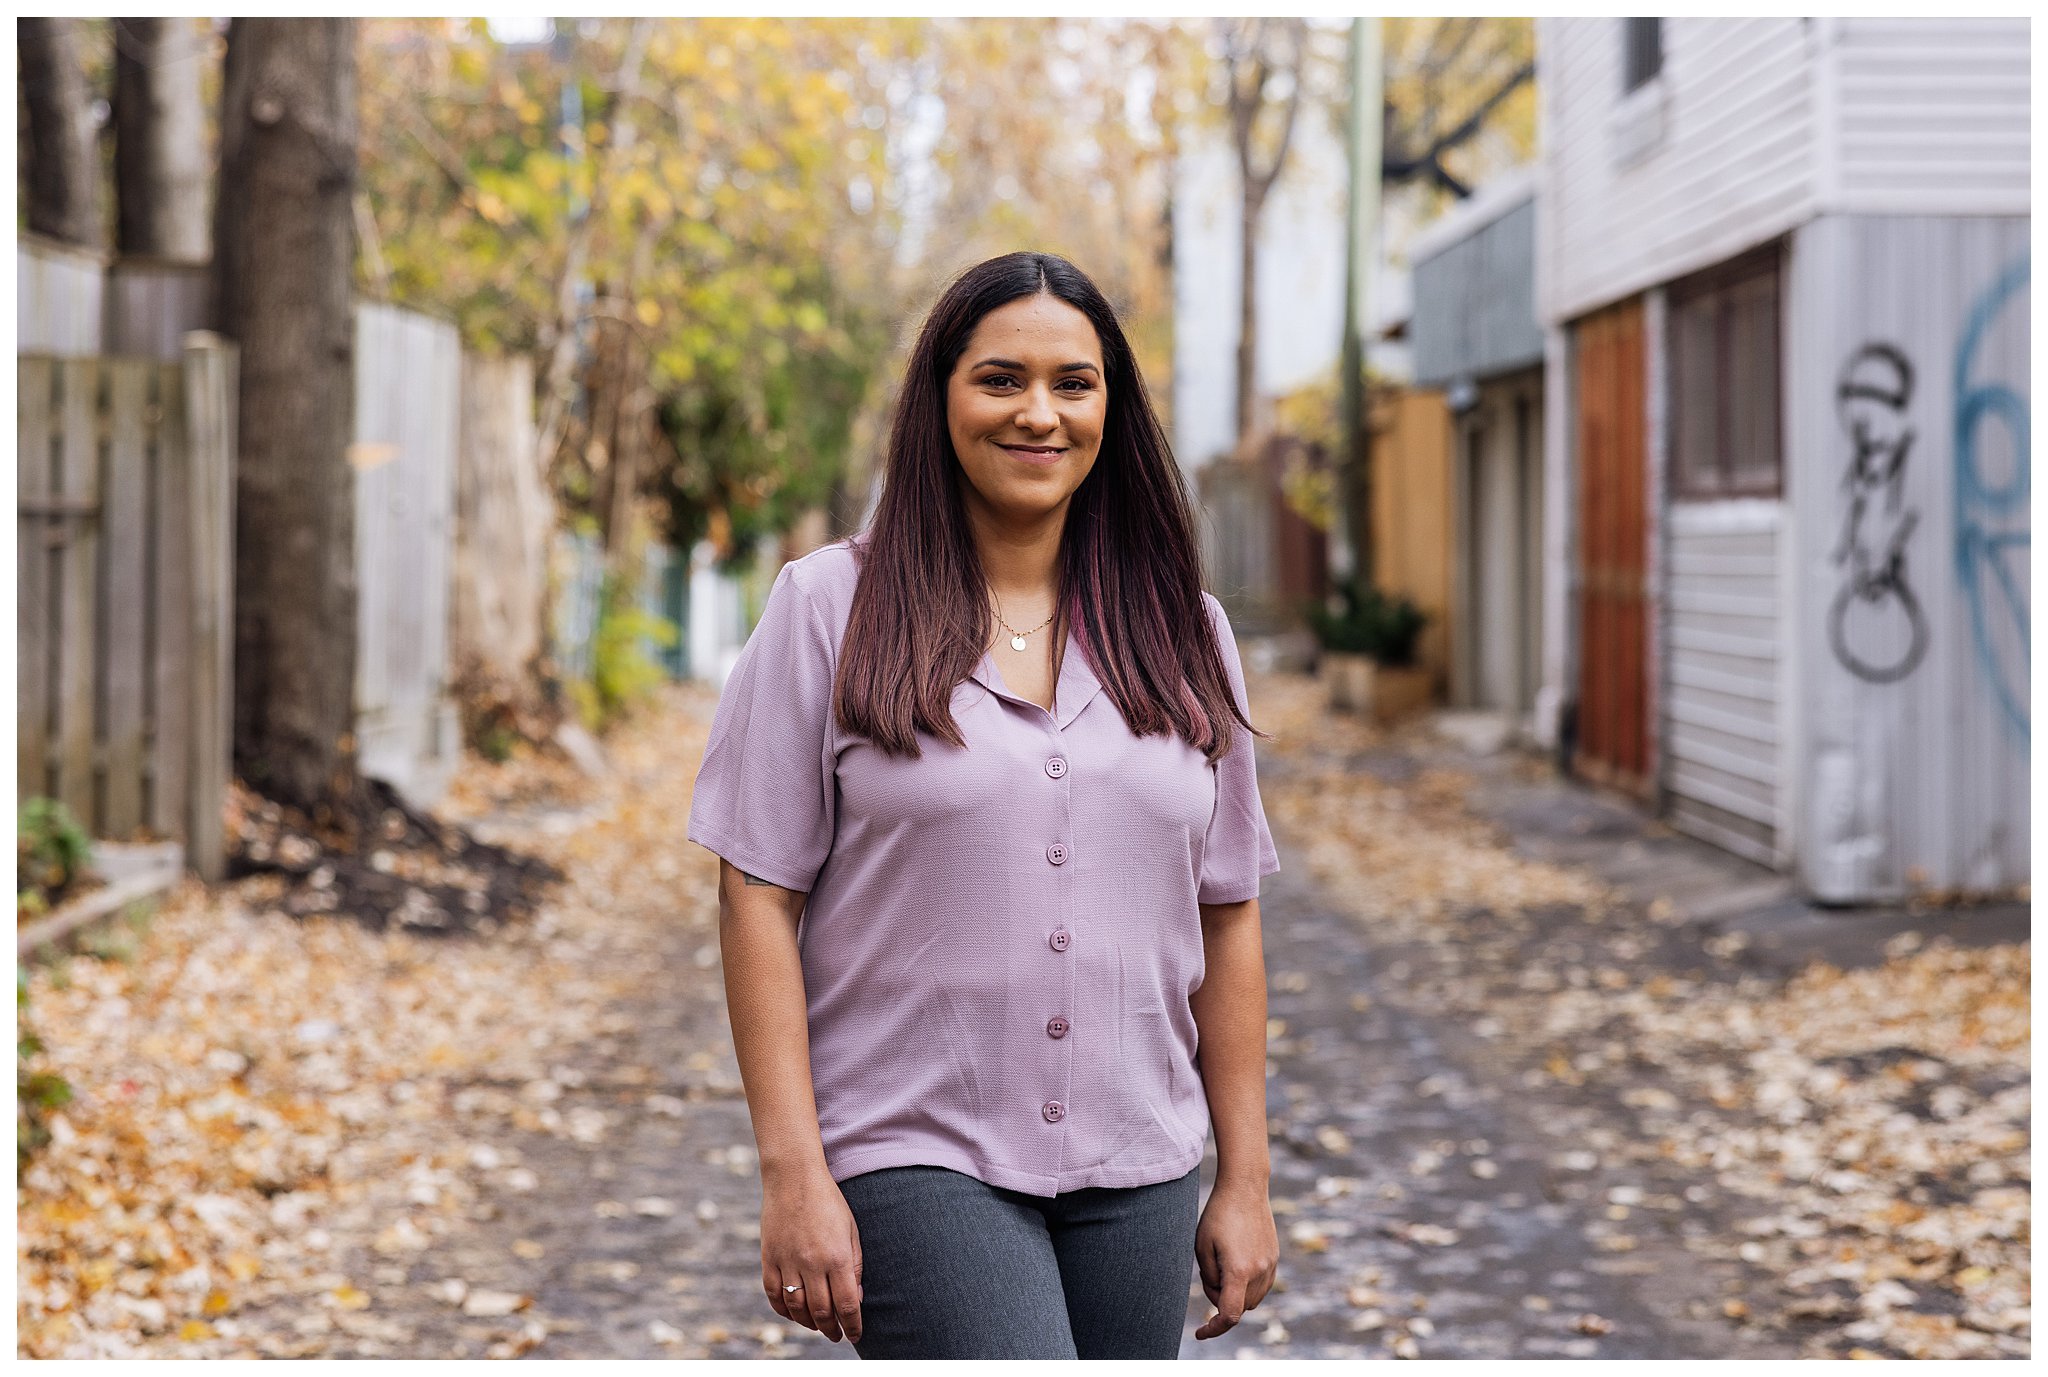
column 1129, row 578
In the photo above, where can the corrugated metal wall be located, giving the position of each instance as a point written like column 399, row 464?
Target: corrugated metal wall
column 1908, row 410
column 1475, row 303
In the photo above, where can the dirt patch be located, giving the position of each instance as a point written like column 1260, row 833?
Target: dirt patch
column 400, row 866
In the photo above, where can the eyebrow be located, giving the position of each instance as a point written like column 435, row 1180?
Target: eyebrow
column 1012, row 363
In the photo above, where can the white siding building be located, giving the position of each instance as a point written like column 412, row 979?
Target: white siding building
column 1783, row 269
column 1300, row 267
column 1249, row 543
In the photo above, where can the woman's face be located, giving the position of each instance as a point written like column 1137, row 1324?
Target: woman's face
column 1026, row 405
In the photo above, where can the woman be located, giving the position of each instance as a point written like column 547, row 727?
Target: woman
column 983, row 789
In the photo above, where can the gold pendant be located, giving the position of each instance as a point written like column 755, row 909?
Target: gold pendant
column 1016, row 642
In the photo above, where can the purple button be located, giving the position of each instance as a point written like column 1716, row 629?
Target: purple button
column 1056, row 853
column 1054, row 1111
column 1056, row 767
column 1059, row 939
column 1057, row 1028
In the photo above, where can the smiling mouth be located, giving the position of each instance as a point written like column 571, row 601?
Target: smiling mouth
column 1036, row 453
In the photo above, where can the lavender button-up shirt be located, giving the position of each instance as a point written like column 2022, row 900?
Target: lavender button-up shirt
column 1000, row 941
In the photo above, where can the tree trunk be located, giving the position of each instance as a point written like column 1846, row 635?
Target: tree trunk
column 231, row 191
column 607, row 388
column 1248, row 54
column 288, row 124
column 1247, row 323
column 62, row 182
column 159, row 139
column 558, row 334
column 628, row 415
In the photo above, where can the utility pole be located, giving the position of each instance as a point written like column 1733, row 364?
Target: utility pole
column 1353, row 548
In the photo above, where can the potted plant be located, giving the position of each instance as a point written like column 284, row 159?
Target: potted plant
column 1343, row 635
column 1399, row 685
column 1368, row 652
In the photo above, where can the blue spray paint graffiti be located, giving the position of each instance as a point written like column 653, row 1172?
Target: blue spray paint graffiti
column 1982, row 562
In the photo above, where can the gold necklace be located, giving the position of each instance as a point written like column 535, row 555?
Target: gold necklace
column 1016, row 636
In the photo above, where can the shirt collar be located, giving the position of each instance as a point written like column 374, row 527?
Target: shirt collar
column 1077, row 685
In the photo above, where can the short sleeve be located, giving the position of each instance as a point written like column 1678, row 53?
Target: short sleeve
column 765, row 796
column 1239, row 850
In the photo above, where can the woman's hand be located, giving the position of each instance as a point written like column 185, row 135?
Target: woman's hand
column 1237, row 1248
column 808, row 1236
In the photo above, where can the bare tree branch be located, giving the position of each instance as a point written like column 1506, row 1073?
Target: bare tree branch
column 445, row 158
column 1464, row 32
column 1397, row 167
column 1251, row 53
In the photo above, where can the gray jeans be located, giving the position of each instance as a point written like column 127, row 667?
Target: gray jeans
column 955, row 1268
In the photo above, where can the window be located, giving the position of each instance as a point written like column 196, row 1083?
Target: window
column 1641, row 115
column 1642, row 51
column 1725, row 379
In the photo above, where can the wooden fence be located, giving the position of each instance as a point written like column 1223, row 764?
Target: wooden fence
column 1263, row 558
column 503, row 514
column 408, row 387
column 124, row 594
column 150, row 304
column 1412, row 536
column 58, row 294
column 408, row 379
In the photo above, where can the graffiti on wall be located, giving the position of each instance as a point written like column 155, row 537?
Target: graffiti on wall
column 1877, row 624
column 1872, row 400
column 1992, row 530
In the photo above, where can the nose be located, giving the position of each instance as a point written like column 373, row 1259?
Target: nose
column 1035, row 412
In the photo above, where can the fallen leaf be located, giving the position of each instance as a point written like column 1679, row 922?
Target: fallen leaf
column 494, row 1303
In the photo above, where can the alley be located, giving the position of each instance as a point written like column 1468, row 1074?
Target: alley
column 1513, row 1112
column 420, row 419
column 1561, row 1082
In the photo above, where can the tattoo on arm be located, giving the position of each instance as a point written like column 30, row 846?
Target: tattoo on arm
column 755, row 880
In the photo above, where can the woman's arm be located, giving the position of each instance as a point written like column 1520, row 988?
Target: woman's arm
column 807, row 1232
column 1236, row 1244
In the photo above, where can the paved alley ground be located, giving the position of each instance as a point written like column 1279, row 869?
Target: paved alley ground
column 1546, row 1081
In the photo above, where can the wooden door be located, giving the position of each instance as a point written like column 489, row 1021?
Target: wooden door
column 1613, row 720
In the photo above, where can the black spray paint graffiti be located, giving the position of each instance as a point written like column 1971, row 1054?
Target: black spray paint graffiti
column 1871, row 399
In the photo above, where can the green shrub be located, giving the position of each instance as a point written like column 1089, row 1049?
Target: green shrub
column 50, row 849
column 1369, row 623
column 621, row 671
column 496, row 743
column 36, row 1093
